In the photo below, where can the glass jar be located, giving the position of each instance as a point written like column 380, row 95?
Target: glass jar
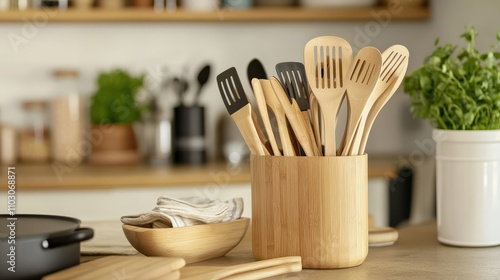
column 67, row 121
column 19, row 4
column 34, row 139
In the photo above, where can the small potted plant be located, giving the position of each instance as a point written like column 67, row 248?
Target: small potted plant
column 113, row 110
column 458, row 90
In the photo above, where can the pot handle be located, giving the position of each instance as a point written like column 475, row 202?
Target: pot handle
column 80, row 234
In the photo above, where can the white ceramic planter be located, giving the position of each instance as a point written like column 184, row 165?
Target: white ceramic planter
column 468, row 187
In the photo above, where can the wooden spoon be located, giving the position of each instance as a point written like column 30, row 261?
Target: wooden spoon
column 326, row 60
column 253, row 270
column 361, row 80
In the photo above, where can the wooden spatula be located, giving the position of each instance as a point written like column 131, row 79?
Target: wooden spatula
column 239, row 108
column 294, row 116
column 122, row 267
column 255, row 69
column 253, row 270
column 262, row 106
column 360, row 81
column 279, row 113
column 326, row 60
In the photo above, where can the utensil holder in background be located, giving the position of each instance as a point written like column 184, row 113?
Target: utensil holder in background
column 313, row 207
column 189, row 135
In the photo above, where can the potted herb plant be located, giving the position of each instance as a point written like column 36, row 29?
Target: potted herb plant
column 458, row 90
column 113, row 110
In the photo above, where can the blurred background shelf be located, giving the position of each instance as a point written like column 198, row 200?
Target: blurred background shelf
column 222, row 15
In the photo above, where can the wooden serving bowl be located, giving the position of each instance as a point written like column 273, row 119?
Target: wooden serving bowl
column 193, row 243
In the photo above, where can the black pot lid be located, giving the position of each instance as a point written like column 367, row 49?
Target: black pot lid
column 36, row 225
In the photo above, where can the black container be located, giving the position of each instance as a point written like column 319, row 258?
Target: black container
column 189, row 145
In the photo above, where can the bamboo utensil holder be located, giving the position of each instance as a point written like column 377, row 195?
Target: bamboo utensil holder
column 313, row 207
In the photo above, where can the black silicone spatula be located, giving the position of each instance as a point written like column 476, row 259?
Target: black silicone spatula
column 255, row 69
column 202, row 79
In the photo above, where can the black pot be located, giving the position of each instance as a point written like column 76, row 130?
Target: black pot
column 37, row 245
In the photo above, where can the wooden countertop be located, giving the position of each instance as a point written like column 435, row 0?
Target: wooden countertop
column 416, row 255
column 61, row 177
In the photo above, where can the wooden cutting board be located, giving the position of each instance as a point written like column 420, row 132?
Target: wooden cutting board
column 123, row 267
column 254, row 270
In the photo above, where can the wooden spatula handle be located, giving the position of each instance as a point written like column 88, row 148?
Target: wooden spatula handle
column 245, row 124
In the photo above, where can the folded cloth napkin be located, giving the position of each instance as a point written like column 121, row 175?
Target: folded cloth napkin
column 172, row 212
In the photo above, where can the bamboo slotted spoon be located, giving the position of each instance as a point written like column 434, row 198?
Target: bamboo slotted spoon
column 360, row 82
column 395, row 63
column 326, row 60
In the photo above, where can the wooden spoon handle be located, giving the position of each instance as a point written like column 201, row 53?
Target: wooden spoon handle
column 267, row 272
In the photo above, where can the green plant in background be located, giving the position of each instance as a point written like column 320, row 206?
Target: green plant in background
column 115, row 99
column 457, row 92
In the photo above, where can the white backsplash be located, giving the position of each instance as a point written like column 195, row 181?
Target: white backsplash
column 30, row 50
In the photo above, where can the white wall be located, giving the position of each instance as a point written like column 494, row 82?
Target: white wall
column 142, row 47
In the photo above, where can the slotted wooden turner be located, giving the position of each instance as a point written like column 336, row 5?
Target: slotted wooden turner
column 326, row 60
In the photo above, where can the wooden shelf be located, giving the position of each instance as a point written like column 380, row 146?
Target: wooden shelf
column 45, row 177
column 221, row 15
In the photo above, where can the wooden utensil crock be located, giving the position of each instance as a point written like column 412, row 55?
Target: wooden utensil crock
column 313, row 207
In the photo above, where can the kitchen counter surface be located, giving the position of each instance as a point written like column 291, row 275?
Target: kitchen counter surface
column 416, row 255
column 83, row 176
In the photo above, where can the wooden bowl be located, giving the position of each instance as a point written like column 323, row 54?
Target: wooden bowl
column 193, row 243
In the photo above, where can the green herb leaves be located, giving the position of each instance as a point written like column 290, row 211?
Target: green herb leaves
column 114, row 101
column 457, row 92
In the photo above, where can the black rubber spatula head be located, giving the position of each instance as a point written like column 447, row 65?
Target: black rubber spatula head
column 255, row 69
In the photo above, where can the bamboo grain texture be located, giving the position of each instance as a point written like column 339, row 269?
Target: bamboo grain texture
column 314, row 207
